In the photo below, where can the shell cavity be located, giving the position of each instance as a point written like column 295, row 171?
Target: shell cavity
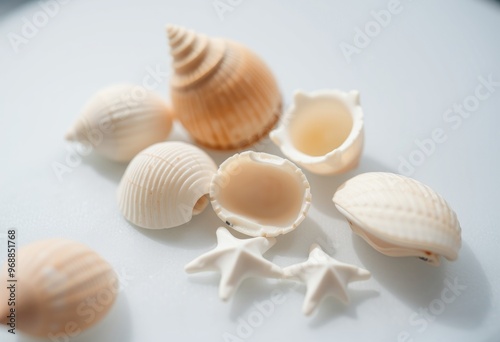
column 259, row 194
column 322, row 131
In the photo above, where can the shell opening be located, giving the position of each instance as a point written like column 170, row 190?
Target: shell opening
column 391, row 249
column 320, row 126
column 200, row 205
column 263, row 193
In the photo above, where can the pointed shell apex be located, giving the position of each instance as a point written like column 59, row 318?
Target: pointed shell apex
column 119, row 123
column 213, row 107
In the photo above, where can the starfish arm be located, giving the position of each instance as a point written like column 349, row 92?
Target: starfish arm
column 337, row 287
column 236, row 259
column 295, row 272
column 324, row 283
column 266, row 269
column 224, row 237
column 260, row 244
column 361, row 274
column 243, row 266
column 205, row 262
column 229, row 282
column 308, row 307
column 324, row 277
column 349, row 272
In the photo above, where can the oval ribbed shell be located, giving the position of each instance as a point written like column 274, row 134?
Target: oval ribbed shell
column 322, row 131
column 222, row 93
column 60, row 285
column 400, row 216
column 122, row 120
column 165, row 185
column 259, row 194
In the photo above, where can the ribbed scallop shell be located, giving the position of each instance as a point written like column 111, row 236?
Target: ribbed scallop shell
column 165, row 185
column 60, row 285
column 400, row 216
column 121, row 120
column 260, row 194
column 222, row 93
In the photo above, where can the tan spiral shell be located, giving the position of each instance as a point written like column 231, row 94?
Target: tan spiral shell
column 222, row 93
column 121, row 120
column 165, row 185
column 399, row 216
column 61, row 285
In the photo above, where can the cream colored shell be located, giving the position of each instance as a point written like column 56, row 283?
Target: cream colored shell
column 60, row 285
column 122, row 120
column 164, row 185
column 222, row 93
column 399, row 216
column 259, row 194
column 322, row 131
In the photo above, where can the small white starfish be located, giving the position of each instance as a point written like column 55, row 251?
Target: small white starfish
column 324, row 276
column 236, row 259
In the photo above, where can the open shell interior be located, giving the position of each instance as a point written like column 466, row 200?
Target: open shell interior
column 260, row 194
column 319, row 127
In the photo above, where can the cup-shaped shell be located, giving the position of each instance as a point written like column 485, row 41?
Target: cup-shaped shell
column 121, row 120
column 259, row 194
column 222, row 93
column 165, row 185
column 399, row 216
column 322, row 131
column 60, row 285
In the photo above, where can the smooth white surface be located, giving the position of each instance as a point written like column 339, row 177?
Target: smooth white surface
column 428, row 58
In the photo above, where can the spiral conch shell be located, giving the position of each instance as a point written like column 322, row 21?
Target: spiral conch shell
column 322, row 131
column 165, row 185
column 122, row 120
column 61, row 286
column 260, row 194
column 222, row 93
column 399, row 216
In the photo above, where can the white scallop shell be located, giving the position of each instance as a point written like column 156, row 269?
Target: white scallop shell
column 322, row 131
column 399, row 216
column 60, row 285
column 122, row 120
column 165, row 184
column 259, row 194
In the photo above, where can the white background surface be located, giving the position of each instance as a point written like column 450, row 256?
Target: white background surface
column 428, row 58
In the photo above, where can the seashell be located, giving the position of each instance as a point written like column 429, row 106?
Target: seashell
column 259, row 194
column 61, row 286
column 122, row 120
column 222, row 93
column 322, row 131
column 399, row 216
column 165, row 185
